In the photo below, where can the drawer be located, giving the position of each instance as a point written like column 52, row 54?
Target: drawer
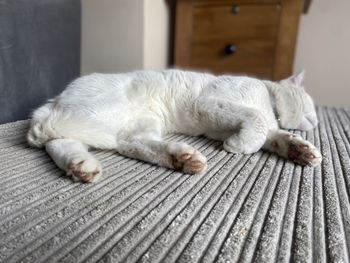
column 263, row 31
column 239, row 21
column 253, row 56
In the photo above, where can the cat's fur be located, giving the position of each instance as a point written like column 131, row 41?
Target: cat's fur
column 131, row 112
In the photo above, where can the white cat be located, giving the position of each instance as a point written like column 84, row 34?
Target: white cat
column 132, row 112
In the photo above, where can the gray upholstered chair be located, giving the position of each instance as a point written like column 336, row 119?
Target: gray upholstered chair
column 39, row 52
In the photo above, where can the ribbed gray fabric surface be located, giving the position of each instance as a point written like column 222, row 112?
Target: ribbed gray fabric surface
column 245, row 208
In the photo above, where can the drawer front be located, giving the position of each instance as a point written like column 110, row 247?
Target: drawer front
column 250, row 30
column 239, row 21
column 253, row 56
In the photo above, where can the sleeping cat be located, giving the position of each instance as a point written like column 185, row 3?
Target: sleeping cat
column 131, row 112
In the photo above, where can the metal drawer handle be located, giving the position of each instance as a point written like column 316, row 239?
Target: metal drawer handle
column 230, row 49
column 235, row 9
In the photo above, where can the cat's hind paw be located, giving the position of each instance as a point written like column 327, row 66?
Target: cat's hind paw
column 303, row 152
column 82, row 169
column 187, row 159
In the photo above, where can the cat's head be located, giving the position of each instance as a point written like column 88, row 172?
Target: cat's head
column 295, row 107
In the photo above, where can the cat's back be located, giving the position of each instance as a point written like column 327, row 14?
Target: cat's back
column 164, row 92
column 97, row 84
column 171, row 81
column 166, row 87
column 149, row 82
column 238, row 89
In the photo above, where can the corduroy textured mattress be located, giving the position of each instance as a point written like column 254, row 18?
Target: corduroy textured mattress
column 246, row 208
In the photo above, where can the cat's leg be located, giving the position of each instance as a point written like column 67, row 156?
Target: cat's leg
column 243, row 129
column 292, row 147
column 73, row 157
column 175, row 155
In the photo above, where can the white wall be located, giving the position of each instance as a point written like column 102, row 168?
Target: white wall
column 112, row 35
column 124, row 35
column 156, row 34
column 323, row 49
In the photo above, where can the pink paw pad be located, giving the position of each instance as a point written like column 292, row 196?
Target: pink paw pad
column 82, row 171
column 186, row 156
column 301, row 153
column 190, row 162
column 275, row 144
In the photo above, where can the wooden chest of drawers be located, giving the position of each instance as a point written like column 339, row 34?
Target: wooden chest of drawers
column 253, row 37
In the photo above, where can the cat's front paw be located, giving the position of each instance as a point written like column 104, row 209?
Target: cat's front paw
column 303, row 152
column 84, row 169
column 187, row 159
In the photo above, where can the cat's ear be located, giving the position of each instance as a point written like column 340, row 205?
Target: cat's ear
column 297, row 79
